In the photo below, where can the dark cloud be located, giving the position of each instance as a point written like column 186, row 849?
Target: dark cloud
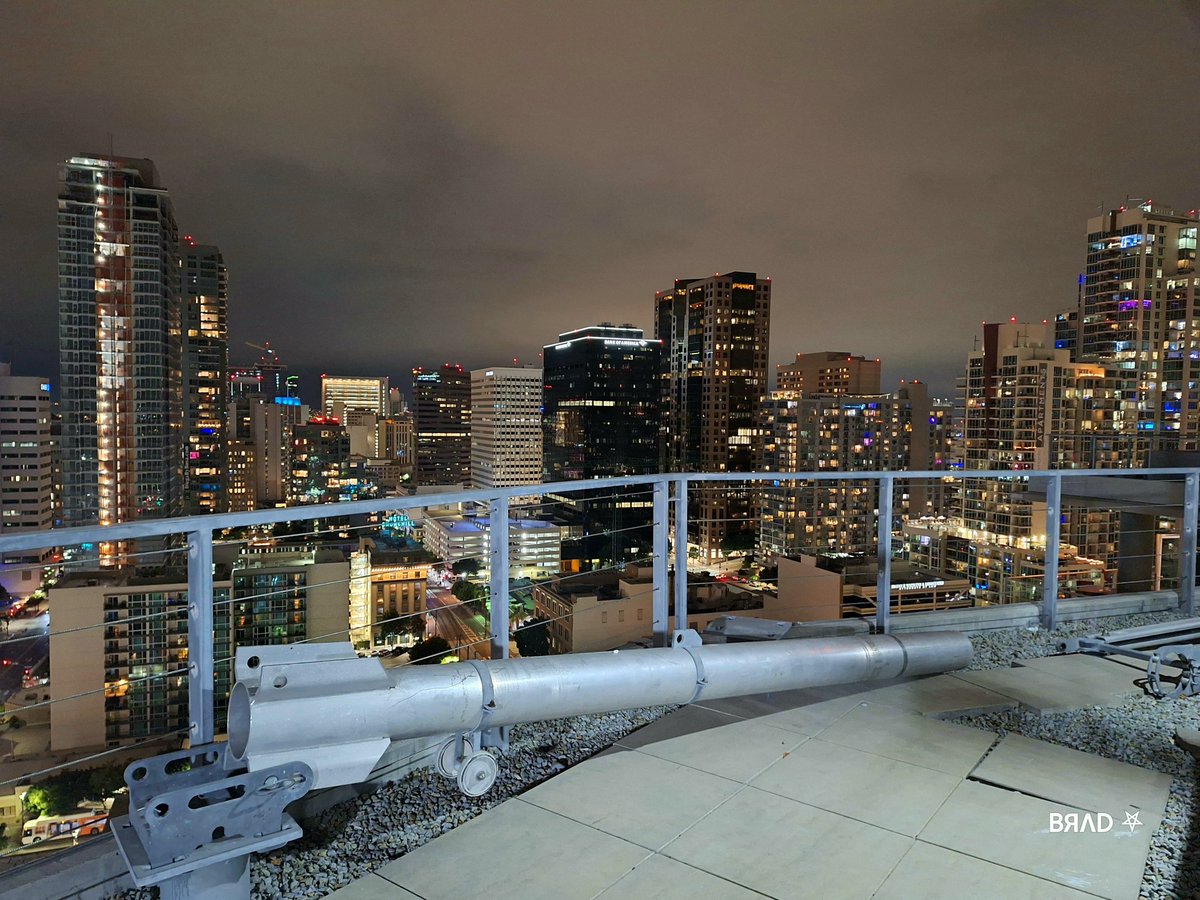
column 395, row 184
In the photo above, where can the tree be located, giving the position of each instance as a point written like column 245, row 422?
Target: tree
column 430, row 652
column 465, row 591
column 468, row 566
column 738, row 542
column 62, row 793
column 533, row 638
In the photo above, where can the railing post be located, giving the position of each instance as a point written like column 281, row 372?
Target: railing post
column 661, row 603
column 1187, row 545
column 498, row 572
column 681, row 553
column 200, row 637
column 1050, row 578
column 883, row 580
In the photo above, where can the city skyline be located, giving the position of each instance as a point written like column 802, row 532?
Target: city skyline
column 389, row 185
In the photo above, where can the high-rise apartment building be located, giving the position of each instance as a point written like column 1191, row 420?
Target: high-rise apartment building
column 829, row 373
column 367, row 394
column 26, row 481
column 260, row 431
column 204, row 288
column 442, row 422
column 320, row 461
column 506, row 426
column 1138, row 315
column 1027, row 406
column 140, row 655
column 600, row 418
column 873, row 432
column 120, row 343
column 715, row 333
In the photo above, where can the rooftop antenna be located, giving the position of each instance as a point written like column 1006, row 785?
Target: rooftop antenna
column 111, row 153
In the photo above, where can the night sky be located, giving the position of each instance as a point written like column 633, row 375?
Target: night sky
column 405, row 183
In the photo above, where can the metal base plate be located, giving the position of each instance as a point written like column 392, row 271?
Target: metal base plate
column 138, row 861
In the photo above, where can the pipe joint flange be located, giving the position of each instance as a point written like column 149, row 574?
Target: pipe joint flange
column 488, row 705
column 701, row 678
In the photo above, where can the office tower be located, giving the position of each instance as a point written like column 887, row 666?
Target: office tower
column 534, row 545
column 204, row 303
column 366, row 394
column 506, row 427
column 873, row 432
column 26, row 475
column 397, row 440
column 119, row 343
column 829, row 373
column 1138, row 314
column 600, row 418
column 715, row 332
column 442, row 420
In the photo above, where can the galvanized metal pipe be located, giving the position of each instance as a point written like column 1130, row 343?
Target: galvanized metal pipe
column 338, row 713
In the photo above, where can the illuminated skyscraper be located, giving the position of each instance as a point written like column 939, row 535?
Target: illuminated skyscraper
column 442, row 423
column 829, row 374
column 846, row 433
column 368, row 394
column 26, row 485
column 715, row 332
column 1138, row 314
column 120, row 343
column 600, row 419
column 506, row 426
column 205, row 382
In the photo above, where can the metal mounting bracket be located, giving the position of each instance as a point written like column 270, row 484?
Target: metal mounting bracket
column 190, row 812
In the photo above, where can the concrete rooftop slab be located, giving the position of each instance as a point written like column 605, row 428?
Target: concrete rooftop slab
column 738, row 751
column 1072, row 778
column 894, row 795
column 1041, row 692
column 1105, row 673
column 940, row 696
column 663, row 878
column 934, row 873
column 1013, row 830
column 910, row 738
column 520, row 851
column 633, row 796
column 787, row 849
column 373, row 887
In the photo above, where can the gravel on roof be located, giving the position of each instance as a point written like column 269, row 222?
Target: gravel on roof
column 1139, row 732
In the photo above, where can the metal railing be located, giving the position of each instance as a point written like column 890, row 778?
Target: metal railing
column 670, row 539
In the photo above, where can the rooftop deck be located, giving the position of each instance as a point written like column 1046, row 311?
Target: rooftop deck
column 840, row 792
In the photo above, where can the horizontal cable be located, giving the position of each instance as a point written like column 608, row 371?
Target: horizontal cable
column 84, row 759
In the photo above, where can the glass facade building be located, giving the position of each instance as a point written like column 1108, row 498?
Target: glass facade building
column 600, row 418
column 119, row 343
